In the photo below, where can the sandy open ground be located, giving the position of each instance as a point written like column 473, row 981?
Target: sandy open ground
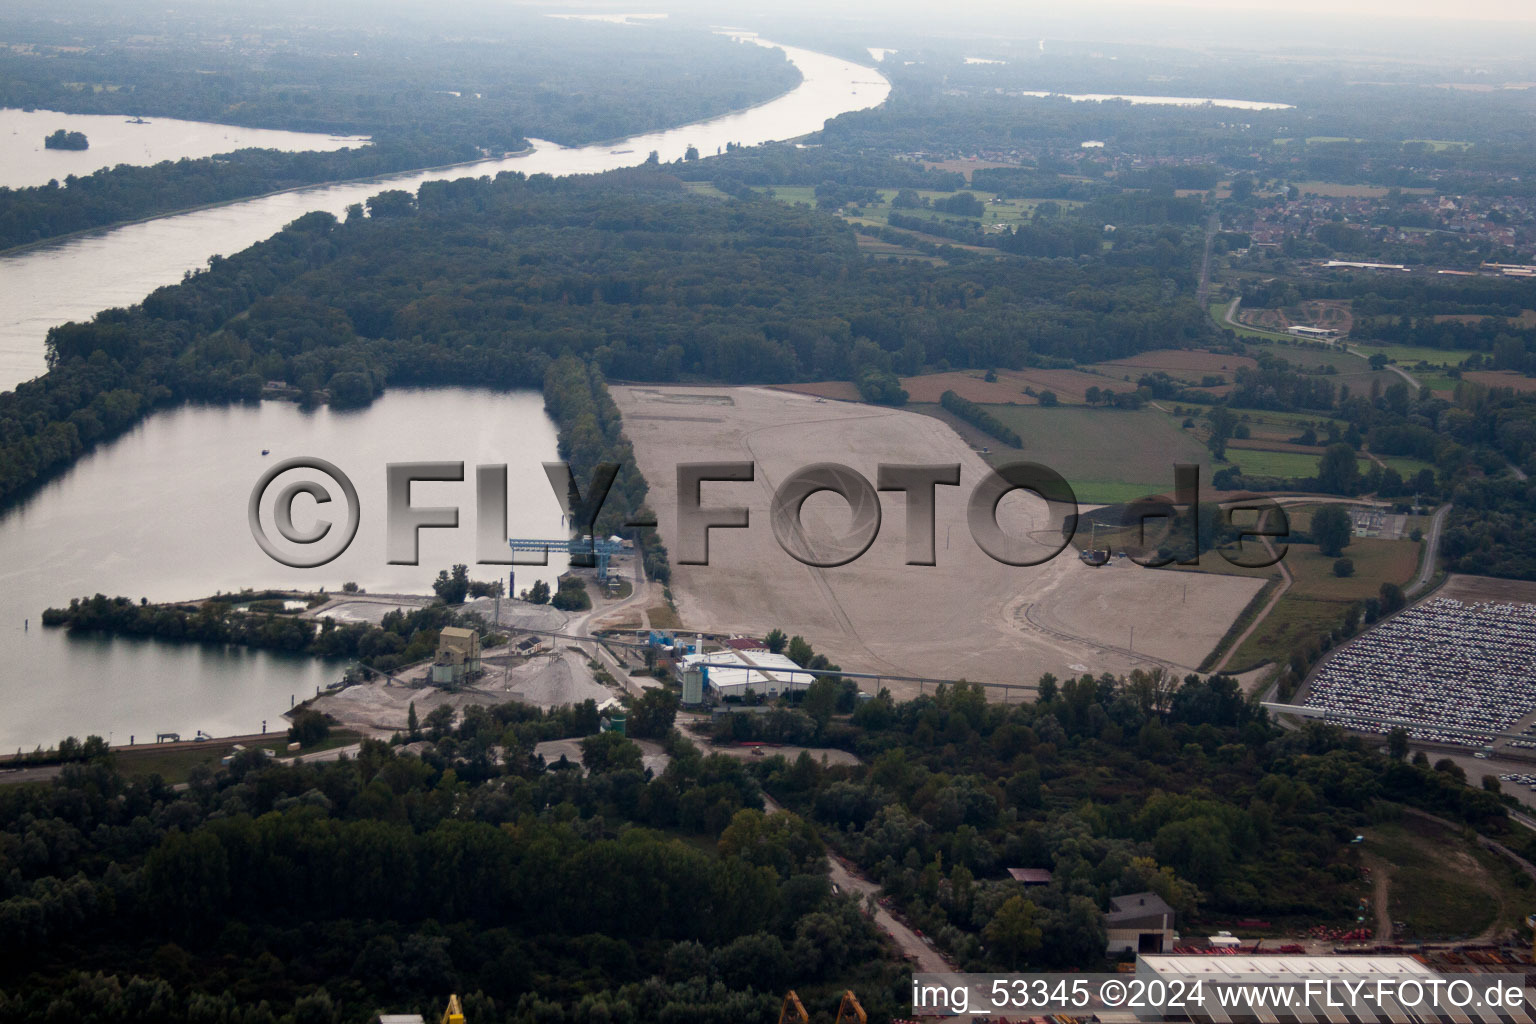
column 969, row 616
column 1487, row 588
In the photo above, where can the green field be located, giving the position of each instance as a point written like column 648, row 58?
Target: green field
column 1107, row 455
column 1406, row 467
column 1317, row 599
column 1434, row 381
column 1290, row 465
column 704, row 188
column 1261, row 418
column 1442, row 887
column 1009, row 212
column 1408, row 356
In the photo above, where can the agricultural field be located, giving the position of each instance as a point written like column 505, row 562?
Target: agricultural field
column 1005, row 212
column 1409, row 356
column 965, row 167
column 1349, row 368
column 1405, row 466
column 1334, row 190
column 1265, row 423
column 872, row 246
column 840, row 390
column 1069, row 386
column 1188, row 365
column 969, row 384
column 1107, row 455
column 1487, row 588
column 1501, row 379
column 1289, row 465
column 704, row 188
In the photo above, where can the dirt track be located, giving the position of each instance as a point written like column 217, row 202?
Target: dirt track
column 969, row 616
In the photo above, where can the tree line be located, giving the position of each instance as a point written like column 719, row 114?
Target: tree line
column 978, row 416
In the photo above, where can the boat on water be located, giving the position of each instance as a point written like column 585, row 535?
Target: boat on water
column 266, row 451
column 136, row 120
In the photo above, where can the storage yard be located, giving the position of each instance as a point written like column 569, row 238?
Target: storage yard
column 1460, row 671
column 969, row 616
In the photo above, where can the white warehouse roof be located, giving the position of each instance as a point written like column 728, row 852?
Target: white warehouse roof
column 732, row 673
column 1281, row 966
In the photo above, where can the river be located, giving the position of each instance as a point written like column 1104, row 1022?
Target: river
column 160, row 512
column 1166, row 101
column 114, row 139
column 74, row 279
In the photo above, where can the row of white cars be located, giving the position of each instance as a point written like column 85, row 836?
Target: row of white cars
column 1460, row 671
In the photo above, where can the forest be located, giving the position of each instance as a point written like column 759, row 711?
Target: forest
column 309, row 894
column 319, row 893
column 1115, row 785
column 490, row 282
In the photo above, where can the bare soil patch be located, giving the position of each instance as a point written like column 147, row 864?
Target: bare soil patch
column 1487, row 588
column 1501, row 379
column 969, row 616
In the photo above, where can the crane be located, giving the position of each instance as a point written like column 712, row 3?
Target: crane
column 851, row 1003
column 597, row 549
column 454, row 1014
column 792, row 1001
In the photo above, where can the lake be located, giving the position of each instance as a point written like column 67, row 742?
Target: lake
column 113, row 140
column 161, row 513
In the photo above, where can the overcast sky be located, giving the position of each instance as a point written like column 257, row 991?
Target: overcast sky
column 1483, row 10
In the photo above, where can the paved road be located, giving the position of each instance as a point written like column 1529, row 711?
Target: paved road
column 1286, row 580
column 924, row 958
column 1408, row 378
column 1431, row 550
column 640, row 594
column 1212, row 225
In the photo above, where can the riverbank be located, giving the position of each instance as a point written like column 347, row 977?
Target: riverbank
column 103, row 229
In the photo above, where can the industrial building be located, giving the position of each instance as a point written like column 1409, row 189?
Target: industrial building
column 458, row 656
column 1141, row 922
column 732, row 673
column 1298, row 970
column 1312, row 332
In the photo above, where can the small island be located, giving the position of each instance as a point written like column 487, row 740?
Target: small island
column 66, row 140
